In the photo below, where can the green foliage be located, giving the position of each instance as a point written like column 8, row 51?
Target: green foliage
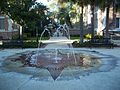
column 73, row 37
column 63, row 15
column 3, row 5
column 18, row 10
column 15, row 37
column 98, row 37
column 118, row 5
column 27, row 13
column 78, row 44
column 30, row 45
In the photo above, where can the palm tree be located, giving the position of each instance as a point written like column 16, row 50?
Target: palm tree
column 81, row 3
column 92, row 3
column 81, row 24
column 108, row 3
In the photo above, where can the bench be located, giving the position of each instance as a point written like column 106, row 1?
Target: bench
column 101, row 42
column 12, row 44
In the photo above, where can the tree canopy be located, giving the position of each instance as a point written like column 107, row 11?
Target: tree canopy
column 23, row 12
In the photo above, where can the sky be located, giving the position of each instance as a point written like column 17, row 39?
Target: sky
column 48, row 3
column 45, row 2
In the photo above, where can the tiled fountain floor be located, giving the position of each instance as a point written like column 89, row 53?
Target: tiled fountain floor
column 95, row 81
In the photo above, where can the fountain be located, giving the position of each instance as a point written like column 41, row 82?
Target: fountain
column 59, row 59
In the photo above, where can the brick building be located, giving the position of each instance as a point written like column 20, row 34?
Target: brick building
column 7, row 28
column 99, row 20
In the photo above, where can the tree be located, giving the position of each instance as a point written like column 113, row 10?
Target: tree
column 27, row 13
column 108, row 3
column 19, row 10
column 117, row 4
column 3, row 5
column 39, row 11
column 64, row 12
column 81, row 3
column 92, row 3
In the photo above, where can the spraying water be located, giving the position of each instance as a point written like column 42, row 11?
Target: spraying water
column 46, row 29
column 61, row 31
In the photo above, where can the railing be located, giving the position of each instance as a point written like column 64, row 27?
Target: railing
column 11, row 44
column 101, row 42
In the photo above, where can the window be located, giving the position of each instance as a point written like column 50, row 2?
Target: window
column 2, row 23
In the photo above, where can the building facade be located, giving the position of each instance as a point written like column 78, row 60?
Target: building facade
column 117, row 20
column 8, row 28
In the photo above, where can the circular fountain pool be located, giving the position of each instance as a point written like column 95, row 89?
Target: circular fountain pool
column 59, row 64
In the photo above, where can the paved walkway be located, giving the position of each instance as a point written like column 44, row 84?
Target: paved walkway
column 95, row 81
column 58, row 42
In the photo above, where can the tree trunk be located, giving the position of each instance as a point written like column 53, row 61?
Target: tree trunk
column 81, row 25
column 92, row 20
column 0, row 11
column 114, row 14
column 37, row 35
column 107, row 21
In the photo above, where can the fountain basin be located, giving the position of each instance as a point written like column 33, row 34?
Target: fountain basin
column 45, row 66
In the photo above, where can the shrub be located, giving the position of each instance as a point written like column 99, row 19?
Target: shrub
column 99, row 37
column 85, row 44
column 87, row 36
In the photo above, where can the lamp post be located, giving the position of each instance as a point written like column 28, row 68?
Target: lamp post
column 37, row 35
column 12, row 32
column 20, row 37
